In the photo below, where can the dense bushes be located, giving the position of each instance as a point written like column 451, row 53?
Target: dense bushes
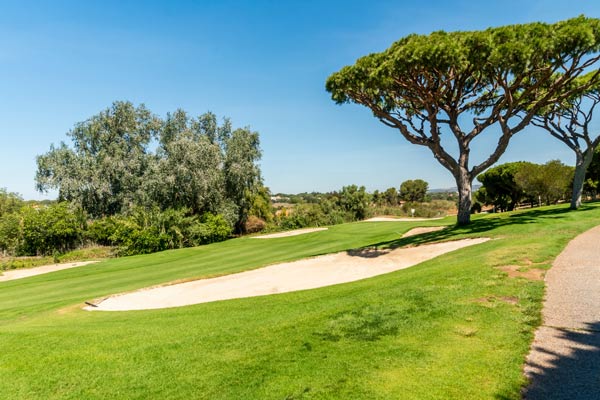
column 41, row 230
column 46, row 230
column 148, row 231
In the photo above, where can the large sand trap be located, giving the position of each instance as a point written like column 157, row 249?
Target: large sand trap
column 394, row 219
column 27, row 272
column 309, row 273
column 289, row 233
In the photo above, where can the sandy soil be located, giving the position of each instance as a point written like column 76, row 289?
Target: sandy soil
column 394, row 219
column 424, row 229
column 27, row 272
column 289, row 233
column 287, row 277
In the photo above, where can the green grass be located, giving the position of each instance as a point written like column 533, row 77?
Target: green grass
column 419, row 333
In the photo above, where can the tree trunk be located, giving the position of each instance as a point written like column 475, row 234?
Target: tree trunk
column 463, row 182
column 581, row 165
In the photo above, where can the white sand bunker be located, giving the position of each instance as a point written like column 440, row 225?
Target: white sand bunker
column 423, row 229
column 27, row 272
column 394, row 219
column 289, row 233
column 309, row 273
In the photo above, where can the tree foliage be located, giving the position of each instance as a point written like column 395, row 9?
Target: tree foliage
column 462, row 83
column 355, row 201
column 414, row 190
column 549, row 182
column 104, row 170
column 241, row 171
column 198, row 164
column 9, row 202
column 186, row 170
column 499, row 187
column 592, row 176
column 41, row 230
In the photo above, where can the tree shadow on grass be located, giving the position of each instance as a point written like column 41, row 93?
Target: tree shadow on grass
column 572, row 369
column 477, row 226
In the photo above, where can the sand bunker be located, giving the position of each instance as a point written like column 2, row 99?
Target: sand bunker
column 289, row 233
column 394, row 219
column 309, row 273
column 27, row 272
column 424, row 229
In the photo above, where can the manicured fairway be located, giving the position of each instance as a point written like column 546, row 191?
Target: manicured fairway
column 454, row 327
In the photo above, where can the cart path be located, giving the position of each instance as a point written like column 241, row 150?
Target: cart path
column 564, row 361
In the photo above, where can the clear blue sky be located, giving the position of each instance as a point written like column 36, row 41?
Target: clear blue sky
column 261, row 63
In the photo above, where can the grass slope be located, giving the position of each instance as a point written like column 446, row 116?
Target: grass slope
column 438, row 330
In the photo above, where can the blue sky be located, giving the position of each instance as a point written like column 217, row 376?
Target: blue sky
column 261, row 63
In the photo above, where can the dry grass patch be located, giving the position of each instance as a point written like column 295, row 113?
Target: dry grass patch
column 516, row 271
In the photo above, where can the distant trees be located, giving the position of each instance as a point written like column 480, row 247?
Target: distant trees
column 390, row 197
column 355, row 201
column 549, row 182
column 198, row 165
column 508, row 184
column 413, row 190
column 462, row 83
column 499, row 187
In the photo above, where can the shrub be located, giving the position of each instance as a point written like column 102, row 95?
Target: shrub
column 254, row 224
column 10, row 233
column 211, row 229
column 45, row 230
column 101, row 230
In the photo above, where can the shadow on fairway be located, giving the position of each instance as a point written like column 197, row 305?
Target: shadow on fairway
column 573, row 376
column 479, row 225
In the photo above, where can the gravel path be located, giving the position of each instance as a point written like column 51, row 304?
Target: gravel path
column 564, row 362
column 27, row 272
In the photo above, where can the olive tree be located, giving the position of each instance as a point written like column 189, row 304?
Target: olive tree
column 464, row 83
column 241, row 171
column 186, row 171
column 104, row 170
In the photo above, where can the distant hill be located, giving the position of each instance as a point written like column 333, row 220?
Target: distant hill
column 451, row 190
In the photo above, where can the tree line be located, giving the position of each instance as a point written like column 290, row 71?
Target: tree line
column 507, row 185
column 32, row 228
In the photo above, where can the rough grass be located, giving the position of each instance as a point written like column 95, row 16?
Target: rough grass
column 419, row 333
